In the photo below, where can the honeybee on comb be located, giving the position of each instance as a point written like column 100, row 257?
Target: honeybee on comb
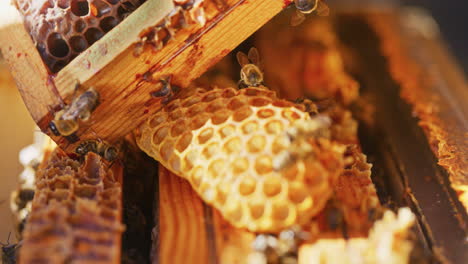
column 104, row 149
column 251, row 73
column 66, row 121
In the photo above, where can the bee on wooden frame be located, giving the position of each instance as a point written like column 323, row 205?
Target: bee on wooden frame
column 167, row 90
column 251, row 73
column 304, row 7
column 65, row 121
column 105, row 150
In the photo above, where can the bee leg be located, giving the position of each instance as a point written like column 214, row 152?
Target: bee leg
column 241, row 85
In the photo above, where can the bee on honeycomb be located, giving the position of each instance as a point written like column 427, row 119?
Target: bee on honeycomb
column 225, row 143
column 62, row 29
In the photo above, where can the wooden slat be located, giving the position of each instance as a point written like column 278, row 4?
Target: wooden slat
column 192, row 232
column 125, row 98
column 181, row 222
column 25, row 63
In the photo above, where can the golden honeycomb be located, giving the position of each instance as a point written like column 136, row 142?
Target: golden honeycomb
column 234, row 148
column 62, row 29
column 76, row 213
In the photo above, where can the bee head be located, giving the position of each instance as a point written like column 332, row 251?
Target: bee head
column 252, row 75
column 111, row 153
column 53, row 128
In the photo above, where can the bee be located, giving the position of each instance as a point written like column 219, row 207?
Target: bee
column 306, row 7
column 278, row 249
column 65, row 121
column 10, row 252
column 251, row 73
column 316, row 127
column 167, row 90
column 105, row 150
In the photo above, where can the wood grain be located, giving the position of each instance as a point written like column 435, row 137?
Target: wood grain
column 25, row 63
column 112, row 69
column 192, row 232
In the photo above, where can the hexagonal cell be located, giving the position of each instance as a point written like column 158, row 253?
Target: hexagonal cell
column 99, row 8
column 195, row 109
column 216, row 105
column 247, row 186
column 236, row 103
column 256, row 143
column 239, row 165
column 210, row 96
column 242, row 114
column 174, row 163
column 220, row 117
column 198, row 121
column 274, row 127
column 108, row 23
column 167, row 149
column 233, row 210
column 226, row 131
column 210, row 150
column 271, row 186
column 197, row 176
column 160, row 134
column 172, row 105
column 221, row 194
column 205, row 135
column 216, row 168
column 78, row 43
column 57, row 46
column 191, row 159
column 79, row 7
column 256, row 209
column 265, row 113
column 259, row 102
column 80, row 25
column 290, row 115
column 228, row 93
column 280, row 211
column 178, row 127
column 264, row 164
column 234, row 145
column 297, row 192
column 191, row 101
column 93, row 34
column 158, row 119
column 249, row 127
column 184, row 141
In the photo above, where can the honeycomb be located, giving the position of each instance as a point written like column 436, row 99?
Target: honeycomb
column 62, row 29
column 305, row 60
column 234, row 148
column 75, row 214
column 388, row 242
column 354, row 206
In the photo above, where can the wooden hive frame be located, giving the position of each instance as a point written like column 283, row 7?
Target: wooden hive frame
column 120, row 77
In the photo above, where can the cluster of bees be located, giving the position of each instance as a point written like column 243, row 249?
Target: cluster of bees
column 277, row 249
column 66, row 122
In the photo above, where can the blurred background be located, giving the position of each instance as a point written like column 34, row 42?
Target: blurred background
column 17, row 127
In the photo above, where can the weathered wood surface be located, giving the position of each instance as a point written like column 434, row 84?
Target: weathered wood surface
column 124, row 80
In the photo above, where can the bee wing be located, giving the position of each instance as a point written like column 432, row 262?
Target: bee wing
column 254, row 56
column 322, row 9
column 297, row 18
column 242, row 58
